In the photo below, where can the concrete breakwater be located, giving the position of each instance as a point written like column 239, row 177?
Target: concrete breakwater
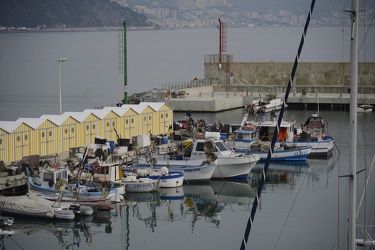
column 205, row 99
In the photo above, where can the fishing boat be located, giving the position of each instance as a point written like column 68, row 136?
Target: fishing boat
column 55, row 180
column 193, row 170
column 230, row 164
column 32, row 205
column 166, row 178
column 17, row 199
column 315, row 136
column 265, row 103
column 135, row 184
column 246, row 141
column 102, row 173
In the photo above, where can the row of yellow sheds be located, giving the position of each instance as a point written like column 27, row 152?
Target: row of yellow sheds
column 53, row 134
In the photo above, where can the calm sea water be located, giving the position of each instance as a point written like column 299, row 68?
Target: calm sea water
column 29, row 82
column 303, row 206
column 305, row 212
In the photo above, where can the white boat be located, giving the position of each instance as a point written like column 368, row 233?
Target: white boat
column 135, row 184
column 102, row 172
column 32, row 205
column 321, row 143
column 246, row 141
column 265, row 103
column 166, row 178
column 365, row 108
column 230, row 164
column 193, row 170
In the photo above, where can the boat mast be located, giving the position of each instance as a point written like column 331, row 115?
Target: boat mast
column 353, row 124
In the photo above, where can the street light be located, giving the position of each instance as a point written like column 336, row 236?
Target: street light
column 60, row 60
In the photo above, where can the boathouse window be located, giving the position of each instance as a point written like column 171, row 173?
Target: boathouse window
column 66, row 131
column 93, row 126
column 43, row 134
column 161, row 116
column 18, row 138
column 1, row 141
column 166, row 115
column 132, row 120
column 144, row 118
column 149, row 118
column 126, row 121
column 87, row 127
column 107, row 124
column 26, row 137
column 50, row 133
column 72, row 130
column 113, row 123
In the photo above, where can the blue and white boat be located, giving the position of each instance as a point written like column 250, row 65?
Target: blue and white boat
column 167, row 179
column 192, row 170
column 55, row 180
column 247, row 142
column 321, row 143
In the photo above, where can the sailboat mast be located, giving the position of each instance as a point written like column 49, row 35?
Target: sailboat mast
column 353, row 124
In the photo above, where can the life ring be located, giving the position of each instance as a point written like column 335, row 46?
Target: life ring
column 61, row 183
column 95, row 167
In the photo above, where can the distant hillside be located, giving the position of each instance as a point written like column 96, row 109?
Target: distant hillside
column 67, row 13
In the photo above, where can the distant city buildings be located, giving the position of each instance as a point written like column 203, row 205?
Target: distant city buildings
column 205, row 13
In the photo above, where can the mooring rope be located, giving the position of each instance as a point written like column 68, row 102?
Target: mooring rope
column 275, row 135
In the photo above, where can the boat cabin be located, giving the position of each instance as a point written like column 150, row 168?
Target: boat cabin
column 51, row 176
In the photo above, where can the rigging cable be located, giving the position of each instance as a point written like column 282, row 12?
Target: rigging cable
column 275, row 135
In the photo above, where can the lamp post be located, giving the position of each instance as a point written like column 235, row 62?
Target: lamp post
column 60, row 60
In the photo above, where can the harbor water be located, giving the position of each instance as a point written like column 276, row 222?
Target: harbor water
column 302, row 206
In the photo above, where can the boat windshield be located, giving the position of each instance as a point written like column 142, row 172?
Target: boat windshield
column 222, row 147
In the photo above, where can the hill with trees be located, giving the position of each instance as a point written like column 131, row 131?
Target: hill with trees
column 67, row 13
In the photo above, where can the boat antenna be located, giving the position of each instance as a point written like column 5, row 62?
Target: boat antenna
column 275, row 135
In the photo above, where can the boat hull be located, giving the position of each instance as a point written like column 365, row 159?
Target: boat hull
column 31, row 205
column 295, row 154
column 141, row 185
column 84, row 193
column 323, row 147
column 191, row 172
column 238, row 166
column 171, row 180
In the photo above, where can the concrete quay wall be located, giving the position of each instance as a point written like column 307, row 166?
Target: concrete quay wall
column 273, row 77
column 206, row 100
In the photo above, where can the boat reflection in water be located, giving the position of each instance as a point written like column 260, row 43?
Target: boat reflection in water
column 69, row 234
column 196, row 202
